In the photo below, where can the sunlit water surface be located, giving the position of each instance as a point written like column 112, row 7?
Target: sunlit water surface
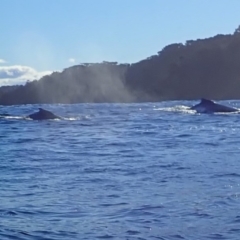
column 120, row 171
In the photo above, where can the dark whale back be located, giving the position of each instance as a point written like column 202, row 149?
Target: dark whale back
column 43, row 114
column 208, row 106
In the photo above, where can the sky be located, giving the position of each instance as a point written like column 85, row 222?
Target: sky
column 41, row 36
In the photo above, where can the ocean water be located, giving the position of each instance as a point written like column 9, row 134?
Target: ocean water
column 120, row 171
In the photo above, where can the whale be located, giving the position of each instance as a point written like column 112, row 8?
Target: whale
column 43, row 114
column 209, row 106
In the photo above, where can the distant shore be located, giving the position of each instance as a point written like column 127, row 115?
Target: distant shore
column 208, row 68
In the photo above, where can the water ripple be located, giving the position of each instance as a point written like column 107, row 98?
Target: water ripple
column 120, row 171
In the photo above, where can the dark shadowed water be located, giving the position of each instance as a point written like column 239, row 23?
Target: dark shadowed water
column 120, row 171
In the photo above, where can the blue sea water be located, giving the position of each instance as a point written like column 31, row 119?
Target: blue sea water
column 120, row 171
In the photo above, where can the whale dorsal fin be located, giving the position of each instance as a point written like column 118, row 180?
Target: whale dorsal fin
column 41, row 110
column 204, row 101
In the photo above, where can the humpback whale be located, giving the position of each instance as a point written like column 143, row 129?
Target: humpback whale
column 43, row 114
column 208, row 106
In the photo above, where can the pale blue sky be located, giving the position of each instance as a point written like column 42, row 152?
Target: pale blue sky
column 45, row 34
